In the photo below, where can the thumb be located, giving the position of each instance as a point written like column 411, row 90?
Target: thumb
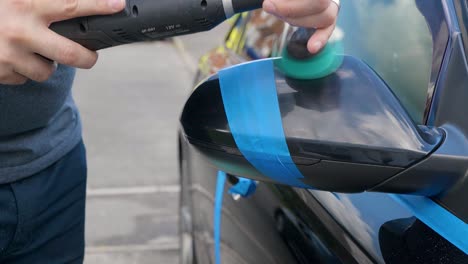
column 319, row 39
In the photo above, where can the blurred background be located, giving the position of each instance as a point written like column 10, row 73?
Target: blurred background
column 130, row 104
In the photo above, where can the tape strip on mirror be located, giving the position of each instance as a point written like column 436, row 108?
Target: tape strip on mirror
column 251, row 103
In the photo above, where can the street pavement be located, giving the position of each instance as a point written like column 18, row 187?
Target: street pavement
column 130, row 103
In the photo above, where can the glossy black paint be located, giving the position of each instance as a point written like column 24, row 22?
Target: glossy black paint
column 444, row 171
column 376, row 138
column 351, row 116
column 204, row 118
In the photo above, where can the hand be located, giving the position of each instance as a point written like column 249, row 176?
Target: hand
column 28, row 47
column 319, row 14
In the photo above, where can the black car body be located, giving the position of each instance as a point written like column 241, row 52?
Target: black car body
column 419, row 49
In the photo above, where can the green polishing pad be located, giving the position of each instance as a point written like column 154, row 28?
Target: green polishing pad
column 327, row 61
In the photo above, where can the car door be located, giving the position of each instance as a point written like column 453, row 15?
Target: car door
column 255, row 229
column 414, row 47
column 405, row 43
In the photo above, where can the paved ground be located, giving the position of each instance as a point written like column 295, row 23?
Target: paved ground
column 130, row 104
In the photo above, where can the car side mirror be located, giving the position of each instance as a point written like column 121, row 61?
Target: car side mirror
column 346, row 132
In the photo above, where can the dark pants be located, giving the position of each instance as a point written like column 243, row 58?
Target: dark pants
column 42, row 217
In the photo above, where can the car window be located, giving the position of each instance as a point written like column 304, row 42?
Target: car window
column 462, row 12
column 392, row 36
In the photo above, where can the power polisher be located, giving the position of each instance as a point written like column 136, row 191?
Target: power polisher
column 144, row 20
column 151, row 20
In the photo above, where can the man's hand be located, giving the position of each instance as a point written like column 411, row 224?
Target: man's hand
column 28, row 46
column 319, row 14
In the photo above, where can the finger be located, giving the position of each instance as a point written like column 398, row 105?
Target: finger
column 35, row 67
column 322, row 20
column 56, row 10
column 319, row 39
column 13, row 78
column 298, row 8
column 62, row 50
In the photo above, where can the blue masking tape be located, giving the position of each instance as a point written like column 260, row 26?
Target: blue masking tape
column 244, row 187
column 252, row 109
column 218, row 211
column 436, row 217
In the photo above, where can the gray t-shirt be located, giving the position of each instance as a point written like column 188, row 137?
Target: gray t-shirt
column 39, row 124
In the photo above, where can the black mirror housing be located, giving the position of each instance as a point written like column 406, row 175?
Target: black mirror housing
column 346, row 132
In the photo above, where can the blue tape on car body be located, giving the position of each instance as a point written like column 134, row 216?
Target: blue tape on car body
column 436, row 217
column 218, row 211
column 252, row 109
column 244, row 187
